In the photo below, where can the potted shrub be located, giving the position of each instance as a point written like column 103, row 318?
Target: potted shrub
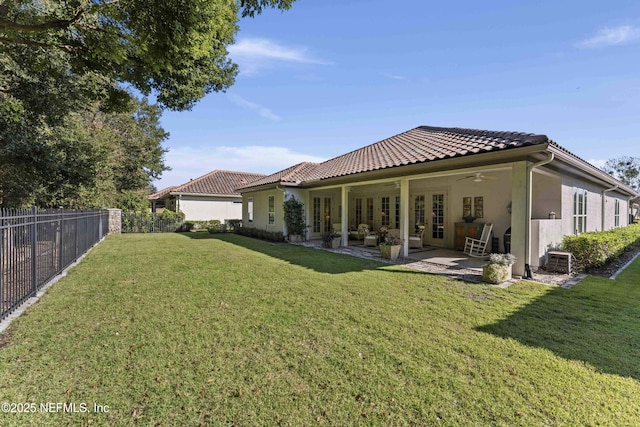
column 390, row 247
column 294, row 219
column 331, row 240
column 499, row 268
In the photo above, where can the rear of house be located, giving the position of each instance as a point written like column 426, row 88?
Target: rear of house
column 529, row 188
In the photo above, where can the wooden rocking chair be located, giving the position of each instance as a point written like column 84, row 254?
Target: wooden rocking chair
column 477, row 247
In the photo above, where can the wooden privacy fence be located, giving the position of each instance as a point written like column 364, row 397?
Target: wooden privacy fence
column 36, row 245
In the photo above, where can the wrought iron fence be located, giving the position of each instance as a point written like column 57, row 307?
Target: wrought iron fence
column 36, row 245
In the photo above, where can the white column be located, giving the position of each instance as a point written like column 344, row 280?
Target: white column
column 345, row 215
column 519, row 193
column 404, row 215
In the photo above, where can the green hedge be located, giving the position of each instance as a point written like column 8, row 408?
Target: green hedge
column 595, row 249
column 272, row 236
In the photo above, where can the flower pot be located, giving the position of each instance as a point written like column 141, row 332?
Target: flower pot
column 390, row 252
column 296, row 238
column 335, row 242
column 496, row 273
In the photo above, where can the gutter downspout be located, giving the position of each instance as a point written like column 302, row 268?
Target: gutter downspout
column 604, row 199
column 527, row 246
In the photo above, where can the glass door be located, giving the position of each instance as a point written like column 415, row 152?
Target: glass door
column 435, row 232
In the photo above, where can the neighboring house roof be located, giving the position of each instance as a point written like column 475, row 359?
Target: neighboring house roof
column 215, row 183
column 420, row 145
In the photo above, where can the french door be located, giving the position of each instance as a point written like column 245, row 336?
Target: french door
column 430, row 210
column 435, row 232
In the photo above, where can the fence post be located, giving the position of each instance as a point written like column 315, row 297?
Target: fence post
column 34, row 252
column 61, row 239
column 76, row 251
column 99, row 225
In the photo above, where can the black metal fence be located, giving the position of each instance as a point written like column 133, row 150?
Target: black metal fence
column 36, row 245
column 135, row 222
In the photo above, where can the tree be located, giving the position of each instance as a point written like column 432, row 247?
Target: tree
column 176, row 49
column 625, row 169
column 60, row 145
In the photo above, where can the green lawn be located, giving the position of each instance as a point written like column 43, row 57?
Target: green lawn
column 198, row 329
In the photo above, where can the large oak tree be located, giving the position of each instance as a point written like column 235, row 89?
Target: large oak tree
column 176, row 49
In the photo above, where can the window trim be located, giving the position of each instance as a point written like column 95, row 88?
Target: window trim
column 250, row 209
column 271, row 209
column 579, row 210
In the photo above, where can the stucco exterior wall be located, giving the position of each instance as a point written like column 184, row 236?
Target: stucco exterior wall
column 546, row 235
column 261, row 210
column 208, row 208
column 594, row 206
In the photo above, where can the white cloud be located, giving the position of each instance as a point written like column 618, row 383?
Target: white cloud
column 263, row 111
column 611, row 37
column 191, row 162
column 255, row 54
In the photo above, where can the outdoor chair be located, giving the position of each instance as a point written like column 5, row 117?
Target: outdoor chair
column 363, row 231
column 337, row 229
column 477, row 247
column 370, row 238
column 415, row 241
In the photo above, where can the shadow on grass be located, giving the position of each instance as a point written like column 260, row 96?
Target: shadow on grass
column 314, row 259
column 597, row 322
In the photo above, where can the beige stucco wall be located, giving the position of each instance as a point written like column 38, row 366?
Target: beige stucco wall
column 208, row 208
column 261, row 210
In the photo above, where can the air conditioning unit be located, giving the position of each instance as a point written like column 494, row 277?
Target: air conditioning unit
column 559, row 261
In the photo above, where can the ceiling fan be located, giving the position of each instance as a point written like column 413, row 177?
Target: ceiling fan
column 477, row 177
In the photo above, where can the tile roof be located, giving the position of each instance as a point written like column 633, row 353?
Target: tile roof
column 420, row 145
column 218, row 182
column 293, row 174
column 159, row 194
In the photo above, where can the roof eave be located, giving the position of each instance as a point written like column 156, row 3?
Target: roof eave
column 591, row 170
column 457, row 162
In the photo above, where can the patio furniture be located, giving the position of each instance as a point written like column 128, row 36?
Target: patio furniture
column 478, row 247
column 415, row 241
column 337, row 228
column 363, row 231
column 370, row 238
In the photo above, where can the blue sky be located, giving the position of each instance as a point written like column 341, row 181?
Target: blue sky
column 328, row 77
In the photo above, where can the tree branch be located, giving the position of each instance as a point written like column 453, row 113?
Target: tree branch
column 67, row 47
column 58, row 24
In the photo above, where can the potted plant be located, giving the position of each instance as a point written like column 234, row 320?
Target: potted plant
column 331, row 240
column 390, row 247
column 499, row 268
column 294, row 219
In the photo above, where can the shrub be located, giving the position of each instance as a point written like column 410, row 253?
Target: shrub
column 594, row 249
column 215, row 226
column 502, row 259
column 258, row 233
column 294, row 216
column 233, row 224
column 188, row 226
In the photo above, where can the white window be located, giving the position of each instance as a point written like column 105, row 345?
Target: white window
column 272, row 210
column 616, row 215
column 579, row 210
column 250, row 209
